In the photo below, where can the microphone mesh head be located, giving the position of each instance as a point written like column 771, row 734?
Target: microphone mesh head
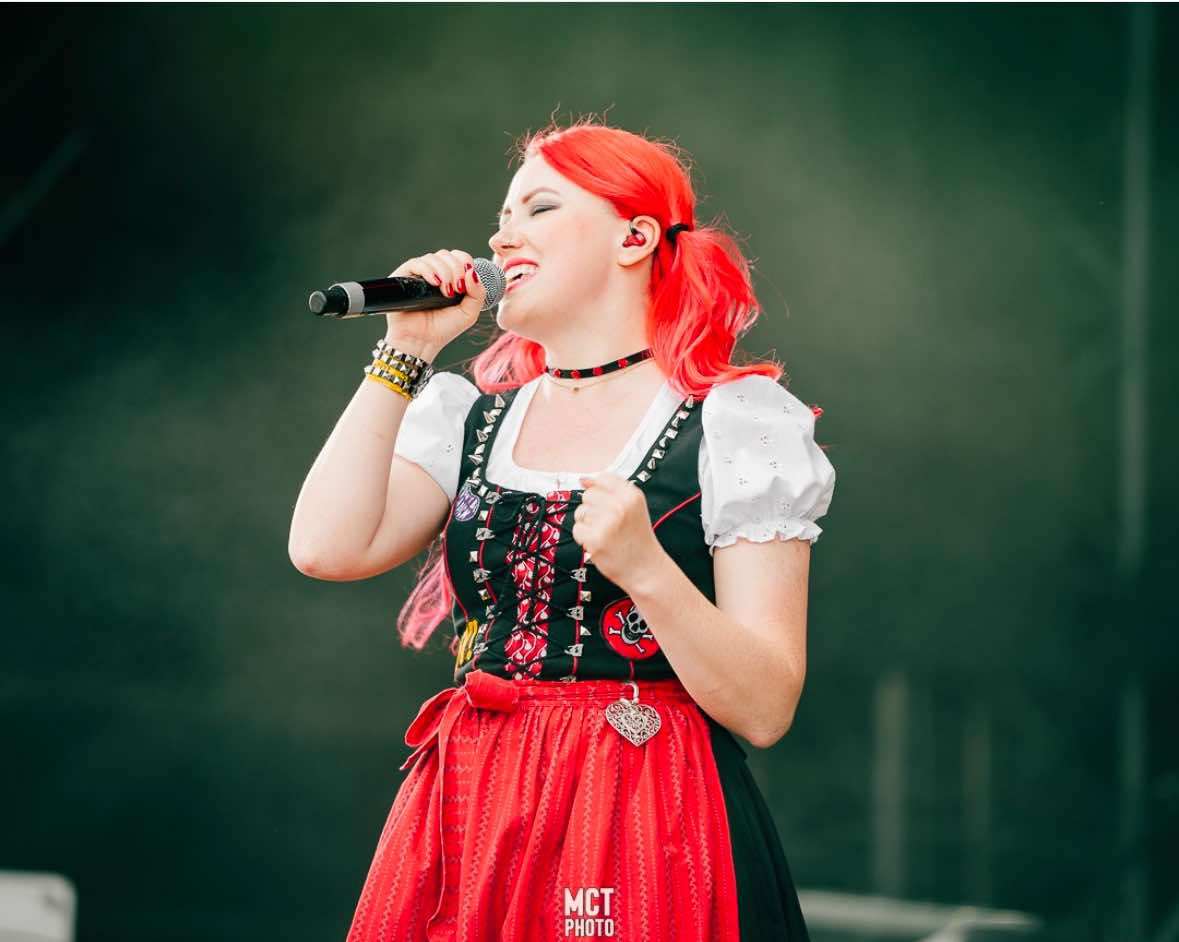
column 492, row 277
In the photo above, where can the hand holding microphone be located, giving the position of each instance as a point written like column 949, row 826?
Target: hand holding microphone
column 429, row 300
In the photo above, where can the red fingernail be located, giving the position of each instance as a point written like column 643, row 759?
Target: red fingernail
column 462, row 284
column 437, row 280
column 475, row 275
column 469, row 266
column 447, row 288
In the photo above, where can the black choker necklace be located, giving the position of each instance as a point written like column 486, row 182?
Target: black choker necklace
column 557, row 373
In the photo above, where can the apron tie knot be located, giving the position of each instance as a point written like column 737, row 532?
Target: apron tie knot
column 491, row 692
column 439, row 713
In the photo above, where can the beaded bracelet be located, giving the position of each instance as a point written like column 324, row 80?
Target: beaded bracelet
column 404, row 373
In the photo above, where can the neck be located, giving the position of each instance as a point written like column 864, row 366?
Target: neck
column 601, row 326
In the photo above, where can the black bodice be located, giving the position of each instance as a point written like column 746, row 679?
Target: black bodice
column 528, row 604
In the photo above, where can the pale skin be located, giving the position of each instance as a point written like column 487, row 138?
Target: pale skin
column 743, row 660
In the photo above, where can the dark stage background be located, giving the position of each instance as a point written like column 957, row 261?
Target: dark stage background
column 963, row 223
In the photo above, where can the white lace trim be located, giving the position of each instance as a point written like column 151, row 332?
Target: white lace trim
column 762, row 532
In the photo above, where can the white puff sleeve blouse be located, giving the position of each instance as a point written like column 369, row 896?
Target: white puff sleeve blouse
column 431, row 433
column 762, row 476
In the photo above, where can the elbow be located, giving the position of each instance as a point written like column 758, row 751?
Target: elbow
column 300, row 551
column 765, row 738
column 331, row 566
column 311, row 562
column 303, row 560
column 778, row 720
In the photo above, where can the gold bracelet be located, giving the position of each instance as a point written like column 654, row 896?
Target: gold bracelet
column 384, row 382
column 391, row 375
column 383, row 366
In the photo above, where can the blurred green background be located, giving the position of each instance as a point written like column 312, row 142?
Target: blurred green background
column 955, row 213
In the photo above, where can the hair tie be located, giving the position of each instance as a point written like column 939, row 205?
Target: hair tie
column 673, row 230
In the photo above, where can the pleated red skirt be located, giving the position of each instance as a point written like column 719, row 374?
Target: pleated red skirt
column 525, row 816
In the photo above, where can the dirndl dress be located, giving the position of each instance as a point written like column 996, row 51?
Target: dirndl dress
column 569, row 787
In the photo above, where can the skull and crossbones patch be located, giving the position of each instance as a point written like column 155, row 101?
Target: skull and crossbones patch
column 626, row 631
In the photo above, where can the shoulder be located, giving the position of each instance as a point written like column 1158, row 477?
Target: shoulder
column 755, row 398
column 452, row 386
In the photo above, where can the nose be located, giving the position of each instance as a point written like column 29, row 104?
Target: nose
column 500, row 243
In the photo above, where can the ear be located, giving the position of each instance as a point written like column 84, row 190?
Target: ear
column 650, row 230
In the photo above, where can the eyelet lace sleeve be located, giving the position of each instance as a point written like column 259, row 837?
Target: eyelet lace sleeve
column 762, row 476
column 431, row 433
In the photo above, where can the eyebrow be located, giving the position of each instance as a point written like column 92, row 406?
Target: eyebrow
column 527, row 197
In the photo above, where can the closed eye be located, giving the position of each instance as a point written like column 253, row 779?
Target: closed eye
column 496, row 223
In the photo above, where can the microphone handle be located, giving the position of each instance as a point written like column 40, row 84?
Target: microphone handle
column 379, row 296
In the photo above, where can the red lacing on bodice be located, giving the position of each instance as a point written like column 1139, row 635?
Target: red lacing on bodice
column 532, row 540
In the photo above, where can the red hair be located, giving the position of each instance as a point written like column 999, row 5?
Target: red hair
column 701, row 299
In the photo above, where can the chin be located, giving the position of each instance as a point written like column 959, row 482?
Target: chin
column 514, row 317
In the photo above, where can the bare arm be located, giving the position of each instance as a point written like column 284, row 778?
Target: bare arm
column 743, row 659
column 361, row 511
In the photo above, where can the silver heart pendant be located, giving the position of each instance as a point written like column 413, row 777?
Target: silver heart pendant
column 638, row 722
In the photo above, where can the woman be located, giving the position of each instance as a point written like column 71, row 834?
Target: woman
column 614, row 626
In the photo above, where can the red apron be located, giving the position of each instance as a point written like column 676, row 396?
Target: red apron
column 525, row 816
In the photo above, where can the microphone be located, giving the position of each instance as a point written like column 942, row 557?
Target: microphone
column 403, row 293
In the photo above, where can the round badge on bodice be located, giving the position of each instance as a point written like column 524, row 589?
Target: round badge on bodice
column 466, row 505
column 626, row 631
